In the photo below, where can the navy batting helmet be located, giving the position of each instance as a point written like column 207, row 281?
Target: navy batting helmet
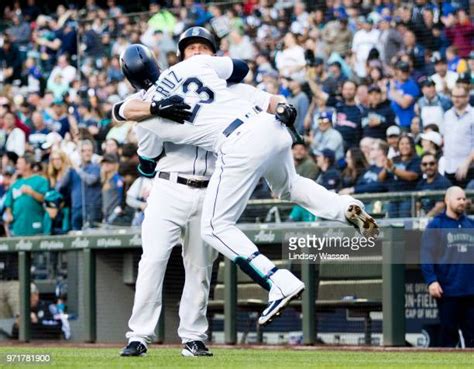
column 139, row 66
column 195, row 34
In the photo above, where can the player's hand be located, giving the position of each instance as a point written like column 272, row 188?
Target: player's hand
column 286, row 113
column 435, row 290
column 173, row 108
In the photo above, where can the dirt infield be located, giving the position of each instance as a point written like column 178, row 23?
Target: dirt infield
column 65, row 344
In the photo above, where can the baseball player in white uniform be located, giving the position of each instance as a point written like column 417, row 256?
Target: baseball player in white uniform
column 250, row 144
column 172, row 217
column 173, row 214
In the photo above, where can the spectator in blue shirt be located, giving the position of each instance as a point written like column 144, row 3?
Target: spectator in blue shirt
column 447, row 255
column 112, row 188
column 348, row 113
column 83, row 182
column 403, row 93
column 369, row 181
column 330, row 176
column 61, row 121
column 402, row 174
column 39, row 130
column 379, row 116
column 432, row 181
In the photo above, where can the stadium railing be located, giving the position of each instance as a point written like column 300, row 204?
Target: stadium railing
column 272, row 210
column 95, row 246
column 94, row 250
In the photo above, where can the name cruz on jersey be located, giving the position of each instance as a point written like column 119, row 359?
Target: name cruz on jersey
column 202, row 81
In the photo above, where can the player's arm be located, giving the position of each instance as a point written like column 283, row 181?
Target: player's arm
column 274, row 101
column 265, row 101
column 173, row 108
column 284, row 112
column 273, row 104
column 150, row 149
column 133, row 109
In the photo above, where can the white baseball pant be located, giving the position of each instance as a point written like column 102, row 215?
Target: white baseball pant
column 246, row 155
column 173, row 216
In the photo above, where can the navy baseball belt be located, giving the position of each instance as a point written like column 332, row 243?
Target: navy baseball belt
column 196, row 183
column 238, row 122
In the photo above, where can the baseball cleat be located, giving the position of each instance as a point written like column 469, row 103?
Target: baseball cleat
column 195, row 348
column 276, row 307
column 362, row 221
column 134, row 348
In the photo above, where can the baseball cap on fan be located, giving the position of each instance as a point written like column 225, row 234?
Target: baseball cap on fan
column 52, row 138
column 403, row 66
column 432, row 136
column 325, row 115
column 427, row 82
column 327, row 153
column 438, row 59
column 374, row 88
column 393, row 131
column 110, row 158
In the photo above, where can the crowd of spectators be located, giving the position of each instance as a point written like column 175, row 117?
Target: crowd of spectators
column 382, row 89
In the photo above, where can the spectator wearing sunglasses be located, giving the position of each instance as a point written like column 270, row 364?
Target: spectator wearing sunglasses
column 432, row 181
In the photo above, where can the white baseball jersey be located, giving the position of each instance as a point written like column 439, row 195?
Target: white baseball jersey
column 187, row 160
column 201, row 81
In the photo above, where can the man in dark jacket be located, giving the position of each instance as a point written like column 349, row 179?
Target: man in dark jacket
column 432, row 180
column 378, row 116
column 348, row 111
column 10, row 61
column 447, row 256
column 330, row 176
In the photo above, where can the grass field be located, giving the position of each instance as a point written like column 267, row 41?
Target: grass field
column 97, row 358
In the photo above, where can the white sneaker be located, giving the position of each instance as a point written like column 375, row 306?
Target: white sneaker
column 285, row 287
column 362, row 221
